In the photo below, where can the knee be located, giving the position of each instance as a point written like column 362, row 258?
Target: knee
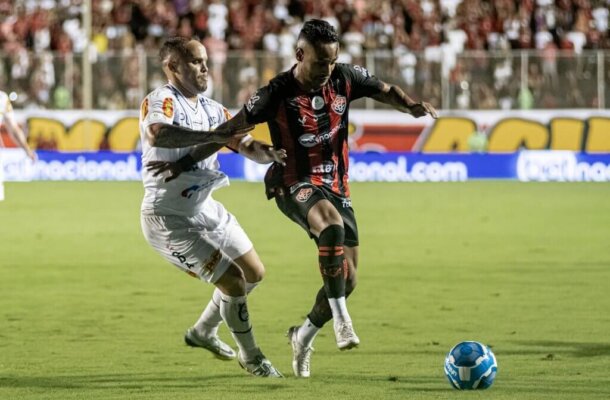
column 233, row 281
column 256, row 274
column 332, row 235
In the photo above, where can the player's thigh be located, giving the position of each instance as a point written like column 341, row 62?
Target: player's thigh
column 296, row 202
column 322, row 215
column 344, row 206
column 182, row 244
column 252, row 266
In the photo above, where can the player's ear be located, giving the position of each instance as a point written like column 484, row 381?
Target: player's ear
column 172, row 65
column 300, row 53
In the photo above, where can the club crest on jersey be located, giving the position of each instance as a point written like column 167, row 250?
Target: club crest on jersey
column 304, row 194
column 339, row 104
column 168, row 107
column 317, row 102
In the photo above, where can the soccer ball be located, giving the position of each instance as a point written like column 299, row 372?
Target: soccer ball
column 470, row 365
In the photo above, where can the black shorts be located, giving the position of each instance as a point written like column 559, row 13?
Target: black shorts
column 296, row 201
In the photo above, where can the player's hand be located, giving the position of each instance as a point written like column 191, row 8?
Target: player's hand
column 278, row 156
column 422, row 108
column 159, row 167
column 224, row 135
column 32, row 156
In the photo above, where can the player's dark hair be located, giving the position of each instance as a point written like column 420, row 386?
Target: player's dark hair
column 174, row 46
column 318, row 31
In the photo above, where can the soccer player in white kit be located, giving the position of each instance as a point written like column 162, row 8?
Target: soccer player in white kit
column 7, row 116
column 180, row 219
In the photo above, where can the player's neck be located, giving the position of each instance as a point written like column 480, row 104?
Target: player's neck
column 303, row 84
column 184, row 92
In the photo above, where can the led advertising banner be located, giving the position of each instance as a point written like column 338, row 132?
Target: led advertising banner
column 527, row 166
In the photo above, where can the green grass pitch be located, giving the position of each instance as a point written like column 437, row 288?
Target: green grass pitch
column 89, row 311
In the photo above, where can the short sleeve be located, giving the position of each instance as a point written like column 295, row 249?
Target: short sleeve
column 262, row 105
column 157, row 107
column 362, row 83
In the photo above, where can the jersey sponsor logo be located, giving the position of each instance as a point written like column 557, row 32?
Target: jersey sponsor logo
column 317, row 102
column 182, row 260
column 323, row 169
column 188, row 192
column 346, row 202
column 308, row 140
column 362, row 70
column 252, row 101
column 304, row 194
column 339, row 104
column 144, row 108
column 210, row 264
column 168, row 107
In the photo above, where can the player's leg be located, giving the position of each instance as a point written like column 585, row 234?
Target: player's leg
column 234, row 311
column 179, row 241
column 233, row 241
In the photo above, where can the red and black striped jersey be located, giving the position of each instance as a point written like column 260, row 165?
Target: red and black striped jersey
column 312, row 126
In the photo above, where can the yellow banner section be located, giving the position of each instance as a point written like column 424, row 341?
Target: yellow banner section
column 512, row 134
column 557, row 131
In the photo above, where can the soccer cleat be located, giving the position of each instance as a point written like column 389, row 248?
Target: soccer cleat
column 213, row 344
column 301, row 355
column 345, row 335
column 259, row 366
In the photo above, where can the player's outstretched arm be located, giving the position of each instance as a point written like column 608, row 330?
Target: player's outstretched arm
column 17, row 135
column 171, row 136
column 260, row 152
column 397, row 98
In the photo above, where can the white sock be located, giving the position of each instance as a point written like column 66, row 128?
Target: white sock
column 234, row 311
column 210, row 319
column 307, row 333
column 339, row 309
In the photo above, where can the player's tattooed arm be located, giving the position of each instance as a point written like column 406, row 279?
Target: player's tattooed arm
column 171, row 136
column 397, row 98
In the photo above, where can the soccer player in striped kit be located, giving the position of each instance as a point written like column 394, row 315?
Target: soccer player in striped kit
column 306, row 109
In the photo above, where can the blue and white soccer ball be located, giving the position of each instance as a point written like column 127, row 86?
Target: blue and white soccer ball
column 470, row 365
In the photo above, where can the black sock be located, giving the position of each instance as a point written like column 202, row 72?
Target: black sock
column 333, row 265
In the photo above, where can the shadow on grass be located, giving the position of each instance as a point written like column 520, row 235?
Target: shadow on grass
column 115, row 381
column 574, row 349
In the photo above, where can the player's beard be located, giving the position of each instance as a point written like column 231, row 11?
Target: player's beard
column 202, row 84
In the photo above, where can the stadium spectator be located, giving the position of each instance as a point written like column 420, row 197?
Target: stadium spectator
column 29, row 27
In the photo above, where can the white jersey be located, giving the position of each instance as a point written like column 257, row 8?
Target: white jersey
column 186, row 194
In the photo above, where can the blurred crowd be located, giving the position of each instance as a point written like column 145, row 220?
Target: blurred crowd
column 417, row 43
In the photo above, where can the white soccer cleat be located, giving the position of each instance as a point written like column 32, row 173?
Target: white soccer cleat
column 213, row 344
column 301, row 355
column 259, row 366
column 345, row 335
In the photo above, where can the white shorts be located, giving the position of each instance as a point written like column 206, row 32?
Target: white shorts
column 204, row 245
